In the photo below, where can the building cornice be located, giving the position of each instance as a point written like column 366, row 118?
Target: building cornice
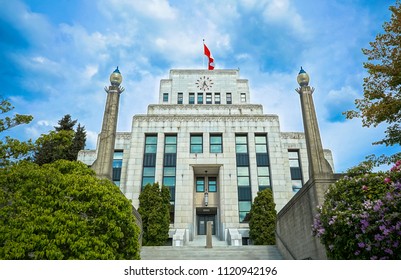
column 205, row 109
column 203, row 118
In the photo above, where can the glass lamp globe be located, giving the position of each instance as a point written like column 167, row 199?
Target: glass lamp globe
column 303, row 78
column 116, row 78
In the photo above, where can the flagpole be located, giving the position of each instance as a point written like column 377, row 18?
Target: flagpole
column 203, row 56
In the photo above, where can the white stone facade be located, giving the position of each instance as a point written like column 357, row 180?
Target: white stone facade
column 174, row 115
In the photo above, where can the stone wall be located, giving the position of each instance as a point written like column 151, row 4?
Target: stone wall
column 294, row 233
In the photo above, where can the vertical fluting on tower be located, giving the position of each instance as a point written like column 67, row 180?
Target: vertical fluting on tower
column 103, row 165
column 318, row 165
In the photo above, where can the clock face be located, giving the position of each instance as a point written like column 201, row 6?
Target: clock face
column 204, row 83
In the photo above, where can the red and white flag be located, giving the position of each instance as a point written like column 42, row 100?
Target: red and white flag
column 209, row 56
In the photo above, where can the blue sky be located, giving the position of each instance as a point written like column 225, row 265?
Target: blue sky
column 56, row 58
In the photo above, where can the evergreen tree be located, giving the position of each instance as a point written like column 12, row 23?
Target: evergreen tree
column 154, row 204
column 61, row 211
column 381, row 102
column 11, row 149
column 262, row 223
column 66, row 123
column 78, row 142
column 61, row 143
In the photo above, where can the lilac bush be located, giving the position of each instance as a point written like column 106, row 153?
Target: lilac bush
column 360, row 218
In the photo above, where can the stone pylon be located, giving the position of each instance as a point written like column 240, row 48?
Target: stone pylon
column 318, row 165
column 103, row 165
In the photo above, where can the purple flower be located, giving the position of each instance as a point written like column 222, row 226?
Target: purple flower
column 388, row 251
column 364, row 188
column 385, row 230
column 389, row 196
column 378, row 205
column 357, row 253
column 396, row 243
column 361, row 245
column 364, row 223
column 373, row 257
column 379, row 237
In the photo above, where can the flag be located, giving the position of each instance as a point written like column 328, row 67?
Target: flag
column 209, row 56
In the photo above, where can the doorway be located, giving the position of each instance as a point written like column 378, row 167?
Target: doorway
column 202, row 222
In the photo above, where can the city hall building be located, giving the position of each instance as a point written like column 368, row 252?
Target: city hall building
column 213, row 149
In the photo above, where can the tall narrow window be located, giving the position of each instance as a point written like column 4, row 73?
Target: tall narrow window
column 208, row 98
column 243, row 177
column 165, row 97
column 196, row 145
column 191, row 98
column 229, row 98
column 217, row 98
column 179, row 98
column 243, row 97
column 216, row 143
column 117, row 165
column 200, row 97
column 149, row 160
column 295, row 169
column 169, row 169
column 262, row 162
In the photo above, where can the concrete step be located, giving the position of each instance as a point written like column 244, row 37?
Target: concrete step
column 250, row 252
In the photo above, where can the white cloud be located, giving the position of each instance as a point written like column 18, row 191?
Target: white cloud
column 350, row 142
column 33, row 26
column 90, row 71
column 91, row 139
column 275, row 91
column 43, row 123
column 158, row 9
column 278, row 12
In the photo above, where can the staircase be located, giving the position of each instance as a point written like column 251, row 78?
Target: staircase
column 196, row 250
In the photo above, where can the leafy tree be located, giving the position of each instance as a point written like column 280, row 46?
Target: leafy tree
column 381, row 102
column 62, row 211
column 262, row 223
column 12, row 149
column 360, row 217
column 154, row 208
column 61, row 143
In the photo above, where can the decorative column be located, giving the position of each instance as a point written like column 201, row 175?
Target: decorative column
column 318, row 165
column 103, row 165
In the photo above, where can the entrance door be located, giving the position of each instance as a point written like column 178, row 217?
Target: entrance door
column 202, row 222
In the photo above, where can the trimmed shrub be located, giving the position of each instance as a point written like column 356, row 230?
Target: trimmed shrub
column 262, row 223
